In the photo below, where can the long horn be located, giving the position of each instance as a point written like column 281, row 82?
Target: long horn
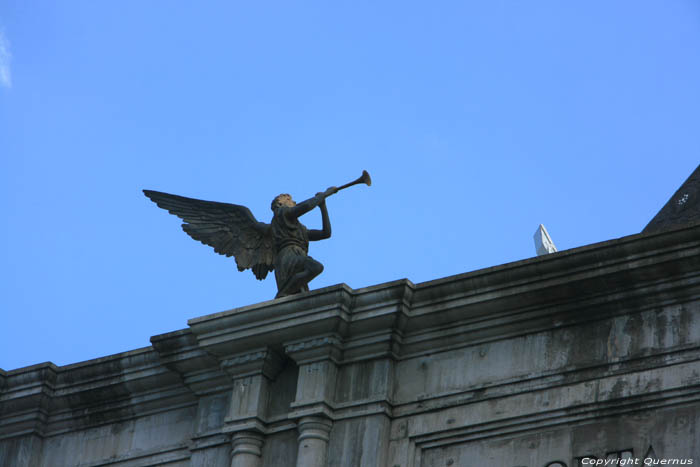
column 364, row 178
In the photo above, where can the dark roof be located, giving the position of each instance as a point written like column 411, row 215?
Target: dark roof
column 682, row 209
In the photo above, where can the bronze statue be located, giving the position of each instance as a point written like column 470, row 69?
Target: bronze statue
column 281, row 246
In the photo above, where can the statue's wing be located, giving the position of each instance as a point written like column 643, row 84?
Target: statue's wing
column 231, row 229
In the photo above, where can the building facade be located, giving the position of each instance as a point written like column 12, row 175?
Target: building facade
column 556, row 361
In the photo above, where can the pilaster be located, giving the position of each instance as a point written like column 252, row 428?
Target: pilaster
column 246, row 420
column 246, row 449
column 318, row 369
column 314, row 434
column 318, row 359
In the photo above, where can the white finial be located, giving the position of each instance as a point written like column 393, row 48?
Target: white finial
column 543, row 242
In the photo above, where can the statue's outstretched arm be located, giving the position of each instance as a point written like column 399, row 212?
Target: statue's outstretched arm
column 305, row 206
column 326, row 232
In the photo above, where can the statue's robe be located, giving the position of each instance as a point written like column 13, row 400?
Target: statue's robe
column 291, row 240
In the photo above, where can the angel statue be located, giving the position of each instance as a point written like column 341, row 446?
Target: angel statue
column 282, row 245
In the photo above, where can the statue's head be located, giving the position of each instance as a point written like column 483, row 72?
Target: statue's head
column 282, row 200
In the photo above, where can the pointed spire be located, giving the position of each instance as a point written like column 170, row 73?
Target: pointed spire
column 543, row 242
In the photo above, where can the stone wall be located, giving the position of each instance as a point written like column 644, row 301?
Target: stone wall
column 592, row 352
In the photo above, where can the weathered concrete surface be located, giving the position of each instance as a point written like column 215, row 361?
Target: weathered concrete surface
column 587, row 352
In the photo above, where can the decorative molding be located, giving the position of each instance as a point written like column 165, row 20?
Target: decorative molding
column 313, row 344
column 314, row 428
column 153, row 457
column 312, row 409
column 48, row 400
column 247, row 442
column 208, row 440
column 320, row 348
column 179, row 351
column 260, row 361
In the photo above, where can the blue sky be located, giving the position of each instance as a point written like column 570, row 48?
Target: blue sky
column 477, row 121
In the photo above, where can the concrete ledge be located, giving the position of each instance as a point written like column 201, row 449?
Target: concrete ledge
column 400, row 373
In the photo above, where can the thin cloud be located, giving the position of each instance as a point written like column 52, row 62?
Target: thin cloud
column 5, row 56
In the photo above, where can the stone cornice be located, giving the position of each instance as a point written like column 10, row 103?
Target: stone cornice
column 316, row 349
column 598, row 269
column 272, row 323
column 46, row 399
column 395, row 320
column 179, row 351
column 263, row 361
column 398, row 319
